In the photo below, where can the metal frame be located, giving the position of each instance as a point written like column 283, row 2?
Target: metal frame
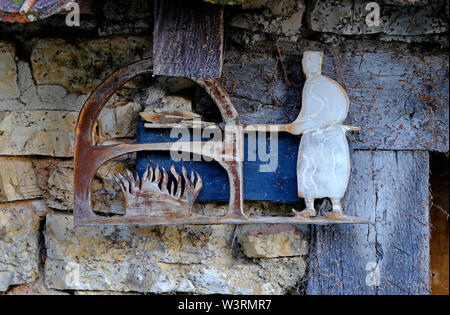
column 89, row 157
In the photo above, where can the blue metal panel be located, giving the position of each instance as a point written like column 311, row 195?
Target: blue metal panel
column 278, row 185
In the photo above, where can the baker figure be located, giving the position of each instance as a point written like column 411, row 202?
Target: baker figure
column 323, row 164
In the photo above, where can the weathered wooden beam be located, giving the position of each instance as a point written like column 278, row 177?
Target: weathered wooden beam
column 398, row 97
column 188, row 39
column 392, row 257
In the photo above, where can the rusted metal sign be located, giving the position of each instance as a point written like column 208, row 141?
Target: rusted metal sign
column 156, row 199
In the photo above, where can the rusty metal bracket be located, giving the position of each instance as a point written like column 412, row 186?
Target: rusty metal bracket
column 160, row 205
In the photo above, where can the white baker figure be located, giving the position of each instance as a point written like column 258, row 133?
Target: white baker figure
column 323, row 165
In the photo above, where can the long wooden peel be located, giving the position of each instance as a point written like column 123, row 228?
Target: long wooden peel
column 295, row 128
column 167, row 117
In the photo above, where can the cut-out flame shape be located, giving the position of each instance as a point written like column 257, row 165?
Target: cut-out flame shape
column 155, row 192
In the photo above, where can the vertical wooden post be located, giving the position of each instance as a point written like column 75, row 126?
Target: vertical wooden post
column 392, row 257
column 188, row 39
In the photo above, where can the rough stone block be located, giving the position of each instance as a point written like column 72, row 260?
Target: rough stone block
column 8, row 72
column 43, row 97
column 36, row 288
column 49, row 133
column 81, row 66
column 17, row 179
column 107, row 196
column 118, row 121
column 281, row 17
column 189, row 259
column 60, row 187
column 274, row 240
column 19, row 242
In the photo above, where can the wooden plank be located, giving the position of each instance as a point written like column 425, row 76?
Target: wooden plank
column 392, row 257
column 280, row 183
column 398, row 97
column 188, row 39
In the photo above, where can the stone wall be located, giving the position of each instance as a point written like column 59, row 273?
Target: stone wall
column 47, row 71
